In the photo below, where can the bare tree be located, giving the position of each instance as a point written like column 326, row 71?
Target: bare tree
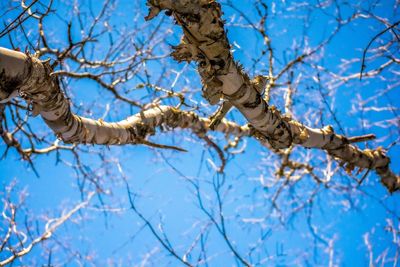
column 282, row 101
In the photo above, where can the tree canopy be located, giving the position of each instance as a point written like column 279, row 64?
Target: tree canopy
column 199, row 133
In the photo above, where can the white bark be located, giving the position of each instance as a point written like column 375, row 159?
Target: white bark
column 206, row 43
column 31, row 78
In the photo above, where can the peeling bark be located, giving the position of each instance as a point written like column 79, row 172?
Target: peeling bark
column 205, row 42
column 32, row 79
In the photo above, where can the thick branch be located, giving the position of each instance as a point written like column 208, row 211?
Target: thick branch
column 206, row 43
column 32, row 79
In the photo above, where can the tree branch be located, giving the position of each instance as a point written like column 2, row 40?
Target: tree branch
column 32, row 79
column 205, row 42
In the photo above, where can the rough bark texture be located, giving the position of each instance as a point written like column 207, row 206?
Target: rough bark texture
column 32, row 79
column 205, row 42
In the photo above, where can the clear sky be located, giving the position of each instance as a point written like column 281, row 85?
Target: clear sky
column 108, row 232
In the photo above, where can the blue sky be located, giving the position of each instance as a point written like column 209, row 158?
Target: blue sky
column 162, row 181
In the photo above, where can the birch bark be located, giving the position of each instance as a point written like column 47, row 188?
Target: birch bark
column 205, row 42
column 31, row 78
